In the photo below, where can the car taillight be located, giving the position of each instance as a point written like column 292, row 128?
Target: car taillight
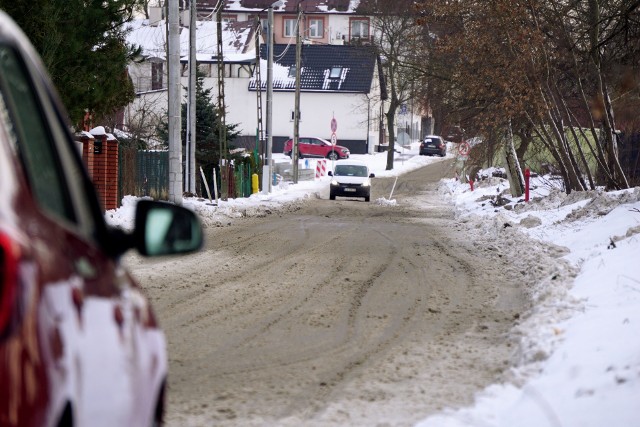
column 9, row 256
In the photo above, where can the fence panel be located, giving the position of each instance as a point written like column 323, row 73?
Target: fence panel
column 146, row 173
column 153, row 174
column 126, row 172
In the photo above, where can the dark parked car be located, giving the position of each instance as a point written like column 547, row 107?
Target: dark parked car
column 350, row 178
column 79, row 342
column 433, row 145
column 316, row 147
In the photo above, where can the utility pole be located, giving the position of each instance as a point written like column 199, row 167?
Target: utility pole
column 190, row 162
column 258, row 73
column 266, row 172
column 296, row 113
column 222, row 128
column 174, row 113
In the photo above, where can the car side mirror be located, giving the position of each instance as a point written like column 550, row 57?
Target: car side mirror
column 372, row 175
column 330, row 173
column 162, row 228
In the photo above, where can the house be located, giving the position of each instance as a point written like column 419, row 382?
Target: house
column 324, row 21
column 149, row 74
column 340, row 78
column 338, row 82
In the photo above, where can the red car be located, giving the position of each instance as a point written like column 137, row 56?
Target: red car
column 79, row 342
column 316, row 147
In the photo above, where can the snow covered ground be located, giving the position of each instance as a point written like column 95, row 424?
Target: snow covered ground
column 581, row 364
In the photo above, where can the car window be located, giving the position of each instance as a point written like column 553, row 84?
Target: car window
column 52, row 166
column 36, row 148
column 351, row 170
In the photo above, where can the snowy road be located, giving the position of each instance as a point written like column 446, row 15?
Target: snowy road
column 340, row 313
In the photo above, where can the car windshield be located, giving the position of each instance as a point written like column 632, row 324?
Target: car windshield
column 351, row 170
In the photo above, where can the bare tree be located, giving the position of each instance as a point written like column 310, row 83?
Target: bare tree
column 395, row 35
column 543, row 69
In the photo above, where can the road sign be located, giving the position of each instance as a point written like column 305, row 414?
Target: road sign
column 334, row 138
column 334, row 125
column 403, row 138
column 464, row 148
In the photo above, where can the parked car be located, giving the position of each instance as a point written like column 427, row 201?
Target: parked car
column 316, row 147
column 433, row 145
column 351, row 178
column 79, row 342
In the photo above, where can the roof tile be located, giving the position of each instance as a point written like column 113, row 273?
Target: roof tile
column 356, row 66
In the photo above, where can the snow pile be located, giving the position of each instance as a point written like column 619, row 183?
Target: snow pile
column 580, row 354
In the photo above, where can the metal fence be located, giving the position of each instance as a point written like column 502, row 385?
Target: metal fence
column 146, row 173
column 143, row 173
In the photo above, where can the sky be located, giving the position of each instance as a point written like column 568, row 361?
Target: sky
column 579, row 356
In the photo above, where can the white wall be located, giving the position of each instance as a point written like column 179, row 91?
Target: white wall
column 317, row 109
column 316, row 112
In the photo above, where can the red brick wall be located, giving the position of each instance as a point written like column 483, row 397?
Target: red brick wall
column 87, row 152
column 102, row 166
column 111, row 175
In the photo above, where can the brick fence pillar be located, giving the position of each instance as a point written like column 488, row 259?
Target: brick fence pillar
column 100, row 167
column 87, row 141
column 111, row 184
column 105, row 167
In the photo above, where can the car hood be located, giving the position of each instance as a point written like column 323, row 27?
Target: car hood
column 351, row 179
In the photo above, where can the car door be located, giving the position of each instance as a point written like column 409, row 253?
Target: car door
column 316, row 148
column 304, row 147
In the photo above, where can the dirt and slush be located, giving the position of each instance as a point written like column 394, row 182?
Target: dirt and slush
column 333, row 313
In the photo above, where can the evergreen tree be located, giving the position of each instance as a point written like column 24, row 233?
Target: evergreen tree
column 207, row 131
column 82, row 44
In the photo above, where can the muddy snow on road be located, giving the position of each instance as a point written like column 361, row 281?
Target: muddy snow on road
column 333, row 313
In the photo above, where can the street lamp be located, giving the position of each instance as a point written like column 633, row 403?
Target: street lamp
column 266, row 171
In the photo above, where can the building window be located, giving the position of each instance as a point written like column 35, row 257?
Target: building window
column 316, row 28
column 229, row 18
column 156, row 75
column 335, row 73
column 293, row 118
column 359, row 28
column 292, row 71
column 205, row 69
column 289, row 27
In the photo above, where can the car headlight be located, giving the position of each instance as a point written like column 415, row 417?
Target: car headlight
column 334, row 182
column 366, row 183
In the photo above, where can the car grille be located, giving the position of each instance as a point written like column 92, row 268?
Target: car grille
column 350, row 185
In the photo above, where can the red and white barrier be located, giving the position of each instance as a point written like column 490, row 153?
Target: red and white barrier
column 321, row 168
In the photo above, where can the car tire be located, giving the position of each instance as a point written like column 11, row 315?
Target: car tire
column 367, row 198
column 287, row 153
column 333, row 156
column 332, row 195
